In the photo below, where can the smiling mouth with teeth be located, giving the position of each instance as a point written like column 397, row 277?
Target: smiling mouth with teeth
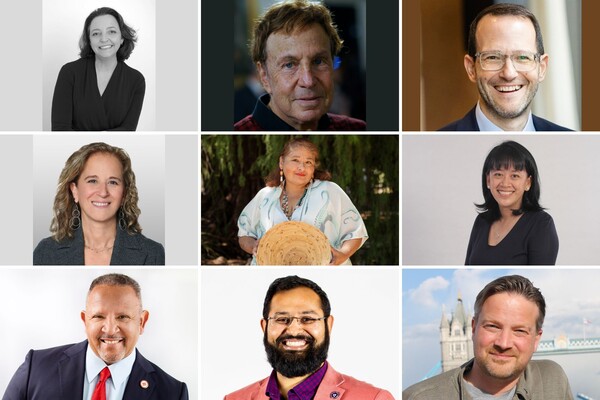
column 111, row 341
column 508, row 89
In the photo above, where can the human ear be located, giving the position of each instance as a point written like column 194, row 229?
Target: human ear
column 74, row 191
column 544, row 58
column 470, row 68
column 264, row 76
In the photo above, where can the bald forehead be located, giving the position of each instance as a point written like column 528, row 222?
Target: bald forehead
column 505, row 32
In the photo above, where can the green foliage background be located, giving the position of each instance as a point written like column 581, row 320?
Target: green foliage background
column 365, row 166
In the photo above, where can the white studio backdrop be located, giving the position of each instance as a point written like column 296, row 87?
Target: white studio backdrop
column 42, row 306
column 364, row 337
column 441, row 181
column 147, row 154
column 62, row 27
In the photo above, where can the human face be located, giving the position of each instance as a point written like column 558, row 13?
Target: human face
column 298, row 74
column 105, row 36
column 508, row 187
column 506, row 94
column 298, row 166
column 504, row 339
column 297, row 349
column 113, row 320
column 99, row 189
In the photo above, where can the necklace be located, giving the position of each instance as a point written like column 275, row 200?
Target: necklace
column 286, row 206
column 100, row 250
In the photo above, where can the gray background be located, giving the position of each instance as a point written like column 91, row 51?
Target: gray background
column 441, row 179
column 50, row 300
column 364, row 338
column 176, row 66
column 16, row 200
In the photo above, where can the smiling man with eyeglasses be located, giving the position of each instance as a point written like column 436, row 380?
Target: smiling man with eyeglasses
column 506, row 60
column 296, row 324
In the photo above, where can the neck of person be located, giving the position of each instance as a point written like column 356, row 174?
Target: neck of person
column 506, row 214
column 488, row 384
column 106, row 64
column 286, row 384
column 99, row 235
column 294, row 191
column 507, row 124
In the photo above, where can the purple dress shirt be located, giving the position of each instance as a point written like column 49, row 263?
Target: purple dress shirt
column 305, row 390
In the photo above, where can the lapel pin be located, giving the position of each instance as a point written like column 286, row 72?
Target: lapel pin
column 144, row 384
column 334, row 395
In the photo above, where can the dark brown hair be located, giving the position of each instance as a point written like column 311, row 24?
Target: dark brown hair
column 510, row 10
column 273, row 180
column 288, row 16
column 515, row 284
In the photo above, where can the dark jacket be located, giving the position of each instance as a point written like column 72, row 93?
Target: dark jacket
column 542, row 379
column 58, row 373
column 128, row 250
column 469, row 123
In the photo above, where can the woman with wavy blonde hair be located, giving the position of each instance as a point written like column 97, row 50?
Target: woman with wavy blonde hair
column 96, row 214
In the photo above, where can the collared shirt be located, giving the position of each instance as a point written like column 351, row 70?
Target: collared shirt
column 486, row 125
column 119, row 375
column 305, row 390
column 264, row 119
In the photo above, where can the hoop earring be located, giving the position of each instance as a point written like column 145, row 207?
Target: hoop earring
column 75, row 221
column 122, row 222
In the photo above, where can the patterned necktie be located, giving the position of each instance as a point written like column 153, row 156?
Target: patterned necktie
column 100, row 391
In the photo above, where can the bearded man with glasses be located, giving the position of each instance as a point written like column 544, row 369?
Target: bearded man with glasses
column 296, row 324
column 506, row 60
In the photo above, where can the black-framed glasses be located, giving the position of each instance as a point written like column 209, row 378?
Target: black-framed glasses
column 494, row 60
column 284, row 320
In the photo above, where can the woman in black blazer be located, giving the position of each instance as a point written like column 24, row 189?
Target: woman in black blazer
column 96, row 214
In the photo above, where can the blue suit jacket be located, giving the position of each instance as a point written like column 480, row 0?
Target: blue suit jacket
column 128, row 250
column 58, row 374
column 469, row 123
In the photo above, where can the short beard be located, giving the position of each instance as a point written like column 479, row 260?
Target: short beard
column 293, row 364
column 500, row 112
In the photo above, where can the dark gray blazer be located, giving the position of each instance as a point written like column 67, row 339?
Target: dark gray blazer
column 58, row 373
column 128, row 250
column 469, row 123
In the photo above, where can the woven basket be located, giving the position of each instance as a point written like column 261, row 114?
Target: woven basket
column 293, row 243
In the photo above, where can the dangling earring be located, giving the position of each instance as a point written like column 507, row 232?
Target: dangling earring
column 75, row 221
column 280, row 176
column 122, row 222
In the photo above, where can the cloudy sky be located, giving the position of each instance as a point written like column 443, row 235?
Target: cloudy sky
column 571, row 295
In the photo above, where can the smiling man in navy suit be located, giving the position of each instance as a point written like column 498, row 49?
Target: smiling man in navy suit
column 506, row 60
column 106, row 366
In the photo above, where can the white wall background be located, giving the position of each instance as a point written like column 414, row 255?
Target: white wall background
column 45, row 313
column 62, row 27
column 441, row 177
column 364, row 337
column 147, row 153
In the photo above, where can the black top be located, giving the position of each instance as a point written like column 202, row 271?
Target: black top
column 128, row 249
column 78, row 106
column 532, row 241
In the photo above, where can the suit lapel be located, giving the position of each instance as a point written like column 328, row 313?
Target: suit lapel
column 127, row 250
column 141, row 383
column 70, row 252
column 71, row 371
column 331, row 386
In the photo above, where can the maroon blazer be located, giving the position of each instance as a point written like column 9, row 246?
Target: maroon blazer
column 333, row 386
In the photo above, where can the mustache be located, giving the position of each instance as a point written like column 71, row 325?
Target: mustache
column 308, row 339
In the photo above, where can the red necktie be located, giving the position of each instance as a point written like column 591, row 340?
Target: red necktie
column 100, row 391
